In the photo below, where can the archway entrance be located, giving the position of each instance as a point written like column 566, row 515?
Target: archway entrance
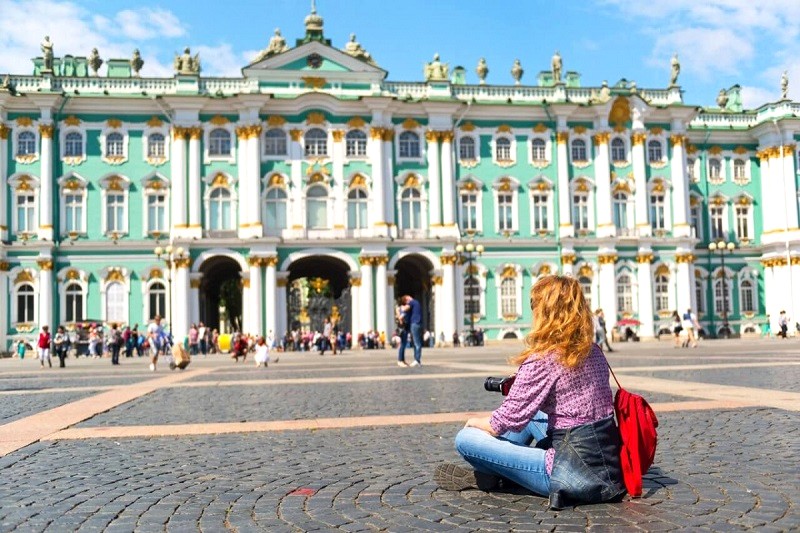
column 414, row 278
column 221, row 294
column 318, row 288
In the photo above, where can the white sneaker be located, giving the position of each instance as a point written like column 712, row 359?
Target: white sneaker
column 415, row 363
column 152, row 367
column 402, row 363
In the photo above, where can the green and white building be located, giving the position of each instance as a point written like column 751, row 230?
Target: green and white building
column 312, row 186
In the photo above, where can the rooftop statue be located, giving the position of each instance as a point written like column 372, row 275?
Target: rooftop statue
column 556, row 65
column 482, row 70
column 94, row 61
column 675, row 70
column 47, row 53
column 354, row 49
column 136, row 62
column 784, row 85
column 186, row 64
column 517, row 71
column 6, row 82
column 603, row 96
column 436, row 71
column 277, row 45
column 722, row 98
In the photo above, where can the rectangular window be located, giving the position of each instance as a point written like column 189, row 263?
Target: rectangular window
column 469, row 211
column 539, row 212
column 508, row 297
column 717, row 216
column 115, row 213
column 26, row 213
column 73, row 212
column 657, row 218
column 580, row 212
column 742, row 222
column 620, row 212
column 156, row 213
column 472, row 296
column 505, row 214
column 694, row 222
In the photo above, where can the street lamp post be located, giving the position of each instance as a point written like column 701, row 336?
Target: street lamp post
column 169, row 255
column 722, row 247
column 469, row 252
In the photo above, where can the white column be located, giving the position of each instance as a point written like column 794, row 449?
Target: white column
column 608, row 289
column 367, row 312
column 434, row 180
column 180, row 306
column 177, row 163
column 645, row 282
column 5, row 219
column 439, row 304
column 45, row 292
column 794, row 306
column 568, row 259
column 245, row 301
column 640, row 180
column 685, row 284
column 448, row 180
column 256, row 324
column 46, row 187
column 390, row 300
column 389, row 203
column 271, row 297
column 195, row 228
column 355, row 303
column 254, row 174
column 194, row 297
column 680, row 188
column 245, row 186
column 602, row 172
column 448, row 309
column 789, row 188
column 382, row 306
column 281, row 318
column 564, row 197
column 768, row 203
column 770, row 292
column 4, row 266
column 377, row 200
column 339, row 186
column 296, row 211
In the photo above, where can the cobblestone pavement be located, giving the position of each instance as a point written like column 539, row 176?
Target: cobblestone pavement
column 228, row 459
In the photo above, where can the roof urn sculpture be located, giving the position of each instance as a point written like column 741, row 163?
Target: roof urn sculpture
column 556, row 65
column 186, row 64
column 94, row 61
column 136, row 62
column 435, row 70
column 482, row 70
column 784, row 85
column 517, row 71
column 722, row 98
column 675, row 70
column 47, row 54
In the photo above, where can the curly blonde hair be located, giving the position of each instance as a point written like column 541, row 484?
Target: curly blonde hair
column 562, row 322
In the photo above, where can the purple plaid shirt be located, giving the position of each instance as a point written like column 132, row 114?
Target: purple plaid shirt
column 570, row 397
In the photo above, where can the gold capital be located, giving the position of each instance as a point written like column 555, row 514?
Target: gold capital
column 448, row 260
column 388, row 135
column 337, row 135
column 601, row 138
column 194, row 283
column 296, row 135
column 271, row 261
column 4, row 131
column 4, row 266
column 437, row 280
column 684, row 258
column 446, row 136
column 365, row 260
column 607, row 259
column 183, row 262
column 376, row 133
column 562, row 137
column 432, row 136
column 678, row 140
column 45, row 264
column 645, row 258
column 568, row 259
column 46, row 131
column 638, row 138
column 254, row 261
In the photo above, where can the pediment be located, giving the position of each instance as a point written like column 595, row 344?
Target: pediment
column 313, row 59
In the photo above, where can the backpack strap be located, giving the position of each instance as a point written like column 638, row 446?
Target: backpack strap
column 613, row 375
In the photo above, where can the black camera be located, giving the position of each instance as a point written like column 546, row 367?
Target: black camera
column 501, row 385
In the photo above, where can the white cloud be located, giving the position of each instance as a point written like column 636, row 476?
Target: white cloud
column 146, row 23
column 219, row 60
column 704, row 52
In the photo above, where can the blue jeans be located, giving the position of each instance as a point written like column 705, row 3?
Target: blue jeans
column 401, row 353
column 416, row 334
column 509, row 456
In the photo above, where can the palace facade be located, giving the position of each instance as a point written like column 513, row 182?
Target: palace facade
column 311, row 186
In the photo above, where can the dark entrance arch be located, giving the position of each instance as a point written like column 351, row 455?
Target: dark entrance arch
column 221, row 284
column 319, row 288
column 414, row 278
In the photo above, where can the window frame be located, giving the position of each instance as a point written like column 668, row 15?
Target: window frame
column 114, row 159
column 356, row 148
column 72, row 184
column 506, row 298
column 27, row 185
column 360, row 205
column 403, row 142
column 623, row 295
column 325, row 204
column 470, row 185
column 625, row 160
column 507, row 186
column 474, row 147
column 269, row 201
column 661, row 292
column 116, row 185
column 586, row 144
column 509, row 145
column 266, row 140
column 657, row 145
column 30, row 305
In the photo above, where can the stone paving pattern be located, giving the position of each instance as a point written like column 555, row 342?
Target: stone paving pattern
column 715, row 470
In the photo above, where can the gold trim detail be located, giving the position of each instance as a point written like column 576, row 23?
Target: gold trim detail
column 72, row 120
column 314, row 82
column 601, row 138
column 45, row 264
column 410, row 124
column 337, row 135
column 315, row 118
column 275, row 121
column 607, row 259
column 678, row 140
column 562, row 137
column 356, row 122
column 685, row 258
column 46, row 131
column 219, row 120
column 643, row 258
column 183, row 262
column 296, row 135
column 25, row 122
column 155, row 122
column 446, row 136
column 467, row 126
column 568, row 259
column 4, row 131
column 114, row 123
column 194, row 283
column 638, row 138
column 540, row 128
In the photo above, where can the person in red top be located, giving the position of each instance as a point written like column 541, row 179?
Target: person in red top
column 240, row 348
column 44, row 346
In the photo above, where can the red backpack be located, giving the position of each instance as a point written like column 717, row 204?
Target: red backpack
column 637, row 428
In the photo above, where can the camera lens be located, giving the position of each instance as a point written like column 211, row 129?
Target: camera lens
column 492, row 384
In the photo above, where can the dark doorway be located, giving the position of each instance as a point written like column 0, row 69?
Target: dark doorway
column 221, row 294
column 414, row 278
column 319, row 288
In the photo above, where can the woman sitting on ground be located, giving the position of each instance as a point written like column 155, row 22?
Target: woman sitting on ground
column 555, row 433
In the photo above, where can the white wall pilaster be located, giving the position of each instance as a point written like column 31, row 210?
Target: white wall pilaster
column 195, row 228
column 281, row 318
column 5, row 216
column 4, row 310
column 448, row 183
column 447, row 319
column 607, row 286
column 366, row 310
column 434, row 181
column 45, row 230
column 339, row 186
column 389, row 203
column 355, row 299
column 680, row 188
column 602, row 165
column 640, row 180
column 381, row 292
column 45, row 292
column 177, row 163
column 377, row 200
column 645, row 293
column 271, row 297
column 684, row 283
column 564, row 197
column 194, row 297
column 256, row 324
column 180, row 306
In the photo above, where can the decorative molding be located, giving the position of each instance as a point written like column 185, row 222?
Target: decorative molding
column 46, row 131
column 314, row 82
column 568, row 259
column 645, row 257
column 296, row 135
column 562, row 137
column 685, row 258
column 45, row 264
column 410, row 124
column 607, row 259
column 275, row 121
column 315, row 118
column 601, row 138
column 638, row 138
column 219, row 120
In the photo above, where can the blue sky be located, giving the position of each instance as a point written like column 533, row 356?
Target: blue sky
column 719, row 42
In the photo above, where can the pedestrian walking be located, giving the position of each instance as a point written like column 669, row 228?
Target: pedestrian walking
column 767, row 329
column 783, row 323
column 677, row 328
column 601, row 335
column 202, row 335
column 156, row 339
column 60, row 345
column 114, row 343
column 194, row 340
column 403, row 319
column 413, row 310
column 44, row 346
column 689, row 327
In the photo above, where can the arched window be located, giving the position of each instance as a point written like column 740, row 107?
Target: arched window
column 356, row 143
column 620, row 210
column 276, row 208
column 472, row 295
column 579, row 150
column 75, row 302
column 748, row 296
column 26, row 143
column 714, row 170
column 219, row 142
column 662, row 293
column 316, row 142
column 220, row 209
column 508, row 297
column 115, row 144
column 658, row 219
column 157, row 298
column 466, row 149
column 586, row 288
column 357, row 209
column 538, row 149
column 411, row 209
column 317, row 207
column 655, row 152
column 26, row 310
column 115, row 302
column 618, row 150
column 73, row 144
column 275, row 142
column 722, row 297
column 408, row 145
column 503, row 149
column 624, row 293
column 156, row 146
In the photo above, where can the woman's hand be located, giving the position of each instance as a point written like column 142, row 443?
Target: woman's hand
column 482, row 424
